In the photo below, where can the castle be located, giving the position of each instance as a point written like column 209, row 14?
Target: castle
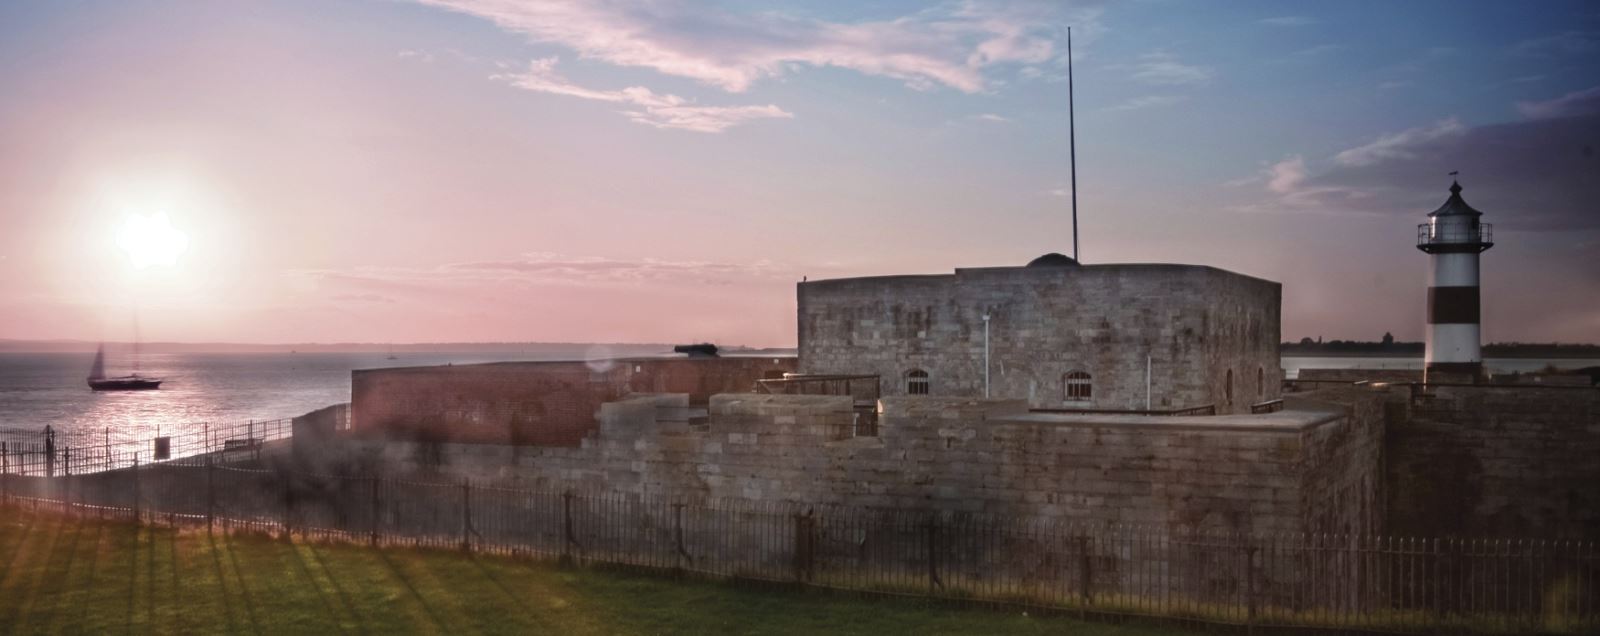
column 1148, row 394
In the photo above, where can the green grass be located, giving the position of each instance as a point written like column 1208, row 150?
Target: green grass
column 63, row 575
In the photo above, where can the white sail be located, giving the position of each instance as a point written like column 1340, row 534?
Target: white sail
column 98, row 371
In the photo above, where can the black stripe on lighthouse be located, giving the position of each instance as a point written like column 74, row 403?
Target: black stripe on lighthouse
column 1453, row 305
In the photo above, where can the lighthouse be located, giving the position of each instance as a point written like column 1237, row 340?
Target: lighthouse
column 1453, row 237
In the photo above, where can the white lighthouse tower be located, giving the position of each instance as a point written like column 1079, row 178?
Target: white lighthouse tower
column 1453, row 238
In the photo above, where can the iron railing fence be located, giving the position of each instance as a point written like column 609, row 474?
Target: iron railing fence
column 40, row 453
column 1363, row 583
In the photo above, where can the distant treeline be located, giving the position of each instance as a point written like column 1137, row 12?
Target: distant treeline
column 1309, row 347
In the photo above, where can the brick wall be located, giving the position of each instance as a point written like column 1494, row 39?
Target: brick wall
column 531, row 403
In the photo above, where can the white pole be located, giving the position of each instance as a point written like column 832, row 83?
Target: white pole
column 986, row 355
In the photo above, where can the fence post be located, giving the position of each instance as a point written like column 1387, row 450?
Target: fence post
column 466, row 514
column 804, row 549
column 566, row 528
column 374, row 520
column 136, row 487
column 1250, row 589
column 5, row 475
column 288, row 508
column 1084, row 577
column 933, row 554
column 677, row 539
column 211, row 494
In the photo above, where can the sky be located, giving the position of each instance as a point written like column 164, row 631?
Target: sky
column 663, row 171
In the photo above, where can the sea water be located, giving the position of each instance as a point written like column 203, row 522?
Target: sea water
column 39, row 389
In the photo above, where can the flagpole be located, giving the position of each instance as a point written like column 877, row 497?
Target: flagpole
column 1072, row 144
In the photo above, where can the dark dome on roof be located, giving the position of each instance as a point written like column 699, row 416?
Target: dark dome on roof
column 1053, row 259
column 1455, row 205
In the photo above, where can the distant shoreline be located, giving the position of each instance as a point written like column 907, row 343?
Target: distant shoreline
column 1577, row 355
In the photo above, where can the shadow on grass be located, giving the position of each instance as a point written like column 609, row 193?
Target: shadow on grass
column 433, row 617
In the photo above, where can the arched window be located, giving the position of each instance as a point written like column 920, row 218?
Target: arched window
column 1261, row 382
column 917, row 382
column 1227, row 389
column 1079, row 386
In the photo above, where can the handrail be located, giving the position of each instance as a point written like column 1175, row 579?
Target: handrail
column 1206, row 409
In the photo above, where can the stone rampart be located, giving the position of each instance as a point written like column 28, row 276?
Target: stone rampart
column 1309, row 469
column 1494, row 461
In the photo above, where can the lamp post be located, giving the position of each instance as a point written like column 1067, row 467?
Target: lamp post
column 985, row 355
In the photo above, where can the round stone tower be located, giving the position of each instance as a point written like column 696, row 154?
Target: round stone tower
column 1454, row 238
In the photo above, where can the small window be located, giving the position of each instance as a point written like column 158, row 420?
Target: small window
column 1079, row 386
column 1227, row 389
column 917, row 382
column 773, row 374
column 1261, row 382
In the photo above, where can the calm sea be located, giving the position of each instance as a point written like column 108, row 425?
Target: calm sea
column 221, row 388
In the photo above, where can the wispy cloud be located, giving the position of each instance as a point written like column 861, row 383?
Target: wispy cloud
column 991, row 117
column 651, row 108
column 420, row 56
column 1288, row 21
column 1162, row 68
column 952, row 46
column 548, row 268
column 1319, row 49
column 366, row 297
column 1541, row 168
column 1584, row 102
column 1559, row 44
column 1286, row 176
column 1398, row 145
column 1147, row 101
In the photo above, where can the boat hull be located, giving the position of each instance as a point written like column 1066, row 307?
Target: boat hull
column 125, row 384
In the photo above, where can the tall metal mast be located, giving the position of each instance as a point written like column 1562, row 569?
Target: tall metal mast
column 1072, row 144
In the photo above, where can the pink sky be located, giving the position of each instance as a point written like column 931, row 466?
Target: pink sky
column 550, row 171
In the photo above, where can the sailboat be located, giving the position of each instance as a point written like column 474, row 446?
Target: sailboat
column 99, row 382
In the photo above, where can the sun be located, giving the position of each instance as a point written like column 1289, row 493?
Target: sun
column 151, row 240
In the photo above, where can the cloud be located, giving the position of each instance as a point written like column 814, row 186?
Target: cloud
column 1559, row 45
column 1318, row 50
column 1532, row 175
column 1288, row 21
column 363, row 298
column 1398, row 145
column 1286, row 176
column 953, row 46
column 421, row 56
column 549, row 269
column 991, row 117
column 1147, row 101
column 651, row 108
column 1164, row 69
column 1584, row 102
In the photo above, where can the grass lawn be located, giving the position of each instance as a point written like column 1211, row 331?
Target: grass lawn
column 70, row 576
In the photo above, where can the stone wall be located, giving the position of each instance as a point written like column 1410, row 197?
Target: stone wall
column 1488, row 461
column 1263, row 473
column 531, row 403
column 1200, row 330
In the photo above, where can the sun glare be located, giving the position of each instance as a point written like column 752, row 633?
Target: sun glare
column 151, row 240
